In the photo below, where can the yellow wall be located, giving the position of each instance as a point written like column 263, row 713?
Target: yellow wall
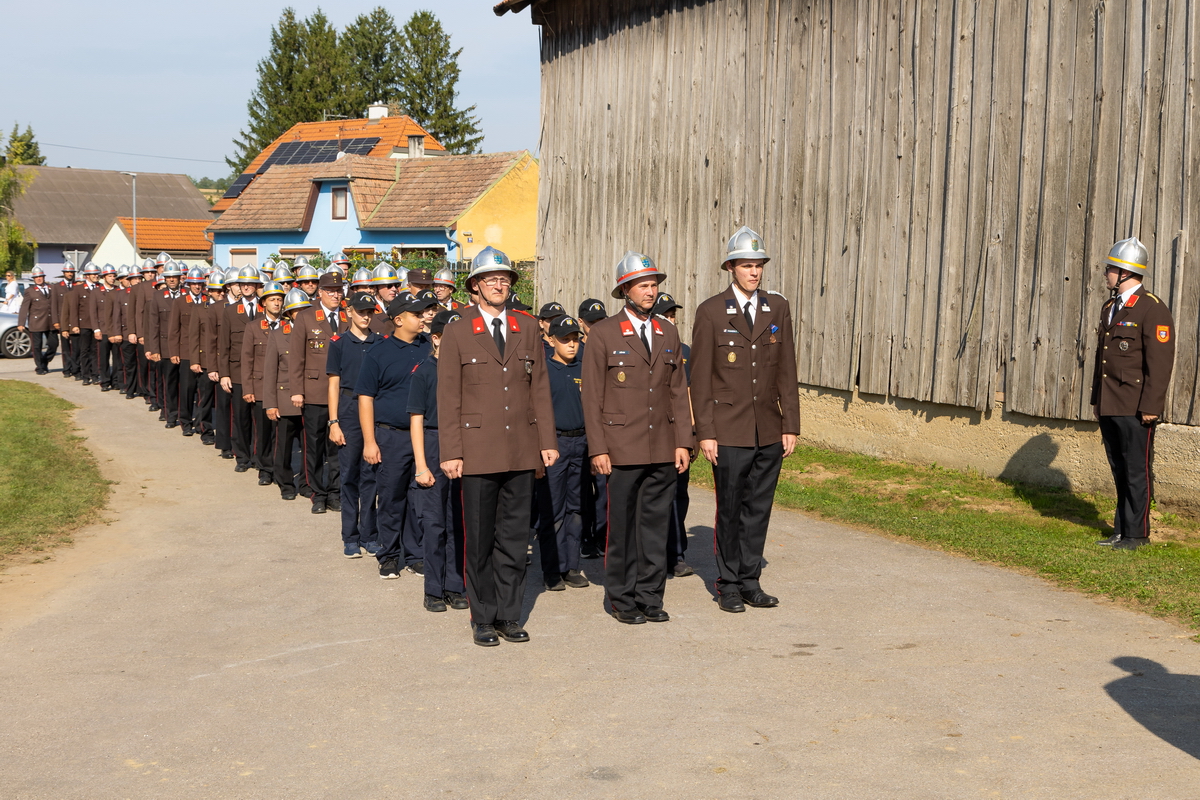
column 506, row 216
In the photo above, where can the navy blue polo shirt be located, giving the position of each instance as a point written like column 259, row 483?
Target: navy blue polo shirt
column 345, row 356
column 565, row 394
column 422, row 393
column 386, row 374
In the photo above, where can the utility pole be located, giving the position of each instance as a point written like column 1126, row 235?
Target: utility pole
column 135, row 247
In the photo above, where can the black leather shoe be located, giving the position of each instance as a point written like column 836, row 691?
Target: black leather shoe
column 154, row 407
column 456, row 600
column 759, row 599
column 629, row 617
column 106, row 388
column 288, row 496
column 434, row 603
column 242, row 468
column 682, row 570
column 575, row 579
column 555, row 584
column 511, row 631
column 485, row 635
column 731, row 602
column 318, row 507
column 264, row 481
column 1110, row 541
column 226, row 454
column 87, row 381
column 333, row 503
column 171, row 425
column 653, row 613
column 1130, row 544
column 188, row 432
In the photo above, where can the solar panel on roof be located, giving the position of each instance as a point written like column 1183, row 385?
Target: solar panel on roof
column 239, row 185
column 319, row 152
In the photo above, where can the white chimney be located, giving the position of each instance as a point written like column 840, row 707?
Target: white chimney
column 416, row 146
column 377, row 111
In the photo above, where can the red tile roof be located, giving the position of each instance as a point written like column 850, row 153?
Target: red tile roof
column 276, row 201
column 171, row 235
column 435, row 192
column 393, row 132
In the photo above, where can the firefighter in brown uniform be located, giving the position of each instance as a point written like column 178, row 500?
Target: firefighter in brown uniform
column 639, row 434
column 747, row 413
column 141, row 300
column 307, row 350
column 231, row 328
column 202, row 335
column 58, row 294
column 178, row 333
column 107, row 335
column 80, row 323
column 254, row 358
column 158, row 342
column 496, row 428
column 37, row 315
column 1135, row 354
column 127, row 349
column 277, row 394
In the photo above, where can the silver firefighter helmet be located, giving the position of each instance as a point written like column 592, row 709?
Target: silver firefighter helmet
column 634, row 267
column 744, row 243
column 1129, row 254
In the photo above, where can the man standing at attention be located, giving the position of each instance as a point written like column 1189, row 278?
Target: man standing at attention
column 747, row 413
column 1134, row 358
column 496, row 427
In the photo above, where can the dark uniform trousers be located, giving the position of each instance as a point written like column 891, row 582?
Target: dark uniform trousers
column 559, row 506
column 359, row 523
column 321, row 473
column 170, row 392
column 745, row 479
column 44, row 346
column 70, row 348
column 187, row 396
column 143, row 372
column 263, row 456
column 154, row 382
column 241, row 430
column 496, row 521
column 289, row 431
column 104, row 359
column 595, row 515
column 202, row 415
column 222, row 418
column 86, row 344
column 677, row 528
column 1130, row 448
column 393, row 476
column 128, row 368
column 635, row 560
column 434, row 514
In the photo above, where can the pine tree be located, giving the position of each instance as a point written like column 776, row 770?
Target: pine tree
column 270, row 107
column 427, row 84
column 321, row 79
column 372, row 44
column 23, row 148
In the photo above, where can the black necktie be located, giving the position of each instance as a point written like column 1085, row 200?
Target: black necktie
column 749, row 319
column 645, row 340
column 498, row 335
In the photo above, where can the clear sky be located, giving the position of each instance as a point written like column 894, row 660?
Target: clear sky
column 172, row 79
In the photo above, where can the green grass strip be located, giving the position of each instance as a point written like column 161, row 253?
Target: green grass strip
column 1051, row 532
column 50, row 484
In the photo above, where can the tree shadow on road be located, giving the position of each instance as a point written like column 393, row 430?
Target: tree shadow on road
column 1166, row 704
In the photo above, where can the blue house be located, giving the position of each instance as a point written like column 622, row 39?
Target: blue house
column 379, row 207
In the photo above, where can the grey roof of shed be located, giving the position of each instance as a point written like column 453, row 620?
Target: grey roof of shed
column 77, row 206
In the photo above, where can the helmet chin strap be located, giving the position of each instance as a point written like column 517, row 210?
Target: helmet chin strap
column 632, row 307
column 1116, row 290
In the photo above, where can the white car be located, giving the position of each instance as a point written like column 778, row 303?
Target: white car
column 13, row 343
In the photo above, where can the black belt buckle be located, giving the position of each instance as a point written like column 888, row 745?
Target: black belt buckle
column 573, row 434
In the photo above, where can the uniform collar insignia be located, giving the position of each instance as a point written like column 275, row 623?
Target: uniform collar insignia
column 241, row 309
column 626, row 328
column 730, row 305
column 264, row 324
column 1133, row 299
column 320, row 315
column 478, row 325
column 657, row 328
column 513, row 325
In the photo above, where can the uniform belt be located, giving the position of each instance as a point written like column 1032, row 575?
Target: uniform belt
column 573, row 434
column 347, row 392
column 389, row 427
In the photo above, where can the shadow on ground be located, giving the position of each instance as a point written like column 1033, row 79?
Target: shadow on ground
column 1166, row 704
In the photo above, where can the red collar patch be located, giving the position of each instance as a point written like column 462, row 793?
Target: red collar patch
column 478, row 325
column 627, row 328
column 265, row 325
column 287, row 327
column 658, row 330
column 320, row 315
column 335, row 337
column 241, row 308
column 1133, row 298
column 513, row 325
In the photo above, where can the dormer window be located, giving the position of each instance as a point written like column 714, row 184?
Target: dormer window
column 339, row 203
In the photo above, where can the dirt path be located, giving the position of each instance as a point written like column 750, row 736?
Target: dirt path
column 211, row 641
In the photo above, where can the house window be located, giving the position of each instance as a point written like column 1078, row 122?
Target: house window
column 339, row 203
column 243, row 257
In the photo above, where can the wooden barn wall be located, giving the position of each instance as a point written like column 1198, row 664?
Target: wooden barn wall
column 936, row 181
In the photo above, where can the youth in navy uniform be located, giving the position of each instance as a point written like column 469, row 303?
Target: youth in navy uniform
column 433, row 497
column 665, row 307
column 382, row 392
column 560, row 494
column 346, row 351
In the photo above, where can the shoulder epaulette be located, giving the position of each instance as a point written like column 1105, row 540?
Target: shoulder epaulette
column 335, row 337
column 777, row 294
column 1152, row 297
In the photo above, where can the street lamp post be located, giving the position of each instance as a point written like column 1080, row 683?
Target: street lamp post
column 135, row 247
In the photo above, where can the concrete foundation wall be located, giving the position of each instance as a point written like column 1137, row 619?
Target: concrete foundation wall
column 997, row 443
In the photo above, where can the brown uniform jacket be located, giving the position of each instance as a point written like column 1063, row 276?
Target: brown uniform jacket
column 231, row 327
column 743, row 381
column 124, row 322
column 158, row 321
column 494, row 412
column 635, row 408
column 37, row 308
column 105, row 312
column 79, row 307
column 202, row 335
column 277, row 390
column 141, row 302
column 254, row 356
column 307, row 350
column 179, row 333
column 1135, row 354
column 58, row 294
